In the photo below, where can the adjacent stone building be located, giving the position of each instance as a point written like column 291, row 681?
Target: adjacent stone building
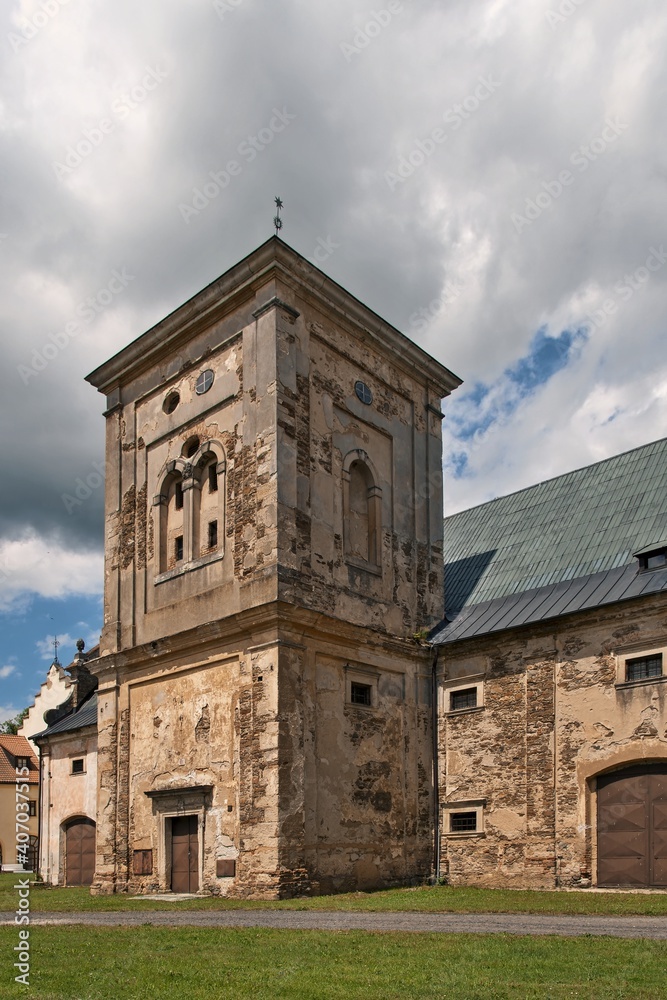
column 274, row 557
column 552, row 682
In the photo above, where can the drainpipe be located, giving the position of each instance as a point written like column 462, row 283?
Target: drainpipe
column 40, row 786
column 436, row 775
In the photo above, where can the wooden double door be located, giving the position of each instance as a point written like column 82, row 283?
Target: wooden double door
column 632, row 827
column 80, row 852
column 185, row 854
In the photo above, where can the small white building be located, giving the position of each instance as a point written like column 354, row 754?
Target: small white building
column 68, row 795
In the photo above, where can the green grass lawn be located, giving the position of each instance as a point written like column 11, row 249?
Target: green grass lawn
column 431, row 899
column 146, row 962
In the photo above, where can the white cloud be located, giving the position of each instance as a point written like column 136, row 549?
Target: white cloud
column 443, row 241
column 6, row 671
column 33, row 565
column 8, row 712
column 66, row 644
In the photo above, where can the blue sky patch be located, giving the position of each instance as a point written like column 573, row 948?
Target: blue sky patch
column 485, row 404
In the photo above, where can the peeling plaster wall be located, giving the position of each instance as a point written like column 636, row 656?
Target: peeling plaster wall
column 555, row 715
column 320, row 421
column 65, row 796
column 283, row 407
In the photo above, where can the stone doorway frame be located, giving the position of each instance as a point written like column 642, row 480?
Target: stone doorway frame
column 171, row 803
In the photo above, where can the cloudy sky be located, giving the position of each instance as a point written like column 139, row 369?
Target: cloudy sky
column 488, row 175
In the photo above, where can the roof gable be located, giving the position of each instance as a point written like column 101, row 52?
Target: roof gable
column 12, row 747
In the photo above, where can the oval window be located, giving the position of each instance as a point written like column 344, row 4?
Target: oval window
column 204, row 382
column 171, row 402
column 363, row 393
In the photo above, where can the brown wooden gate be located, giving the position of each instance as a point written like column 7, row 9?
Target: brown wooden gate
column 80, row 852
column 184, row 854
column 632, row 826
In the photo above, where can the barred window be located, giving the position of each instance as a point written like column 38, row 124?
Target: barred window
column 642, row 667
column 463, row 822
column 463, row 699
column 360, row 694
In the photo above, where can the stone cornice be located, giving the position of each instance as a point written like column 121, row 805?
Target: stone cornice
column 277, row 623
column 273, row 259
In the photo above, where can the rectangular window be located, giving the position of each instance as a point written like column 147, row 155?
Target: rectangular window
column 178, row 496
column 22, row 762
column 463, row 699
column 642, row 667
column 178, row 547
column 212, row 534
column 77, row 766
column 32, row 807
column 212, row 479
column 360, row 694
column 463, row 822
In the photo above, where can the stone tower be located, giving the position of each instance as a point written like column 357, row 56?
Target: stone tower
column 273, row 546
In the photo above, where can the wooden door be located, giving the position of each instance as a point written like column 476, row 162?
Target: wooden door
column 632, row 827
column 184, row 854
column 80, row 852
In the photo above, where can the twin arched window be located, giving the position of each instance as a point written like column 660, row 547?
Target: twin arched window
column 191, row 509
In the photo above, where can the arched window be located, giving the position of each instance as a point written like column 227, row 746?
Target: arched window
column 191, row 508
column 209, row 502
column 362, row 512
column 173, row 536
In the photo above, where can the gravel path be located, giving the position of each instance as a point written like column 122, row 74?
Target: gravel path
column 443, row 923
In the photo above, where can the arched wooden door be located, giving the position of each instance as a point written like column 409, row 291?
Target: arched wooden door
column 79, row 852
column 632, row 827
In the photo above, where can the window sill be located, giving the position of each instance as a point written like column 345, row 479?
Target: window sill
column 465, row 711
column 465, row 835
column 622, row 685
column 187, row 567
column 367, row 567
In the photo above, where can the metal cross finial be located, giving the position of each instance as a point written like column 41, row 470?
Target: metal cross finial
column 55, row 645
column 277, row 221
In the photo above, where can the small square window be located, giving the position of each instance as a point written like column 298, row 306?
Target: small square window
column 32, row 807
column 212, row 534
column 78, row 765
column 642, row 667
column 459, row 700
column 463, row 822
column 360, row 694
column 178, row 548
column 178, row 496
column 22, row 762
column 212, row 479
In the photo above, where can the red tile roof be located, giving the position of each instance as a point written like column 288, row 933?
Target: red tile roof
column 12, row 747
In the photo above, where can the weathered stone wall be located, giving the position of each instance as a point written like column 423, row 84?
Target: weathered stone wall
column 556, row 714
column 223, row 643
column 356, row 793
column 320, row 422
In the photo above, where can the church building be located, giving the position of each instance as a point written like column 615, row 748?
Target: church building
column 273, row 562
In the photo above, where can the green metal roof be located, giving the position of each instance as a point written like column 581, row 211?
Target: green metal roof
column 585, row 522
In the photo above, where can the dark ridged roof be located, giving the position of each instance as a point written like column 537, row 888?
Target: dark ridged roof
column 584, row 522
column 561, row 546
column 559, row 599
column 85, row 715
